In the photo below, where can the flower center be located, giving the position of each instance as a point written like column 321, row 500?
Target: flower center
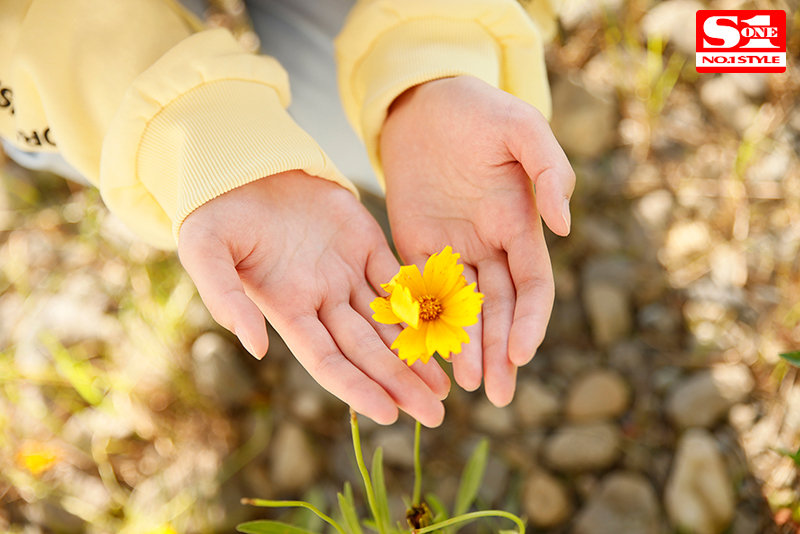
column 429, row 308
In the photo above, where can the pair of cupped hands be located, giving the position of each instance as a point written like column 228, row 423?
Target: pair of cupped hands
column 466, row 165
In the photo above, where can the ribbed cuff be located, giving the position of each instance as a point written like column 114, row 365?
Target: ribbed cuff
column 217, row 137
column 413, row 53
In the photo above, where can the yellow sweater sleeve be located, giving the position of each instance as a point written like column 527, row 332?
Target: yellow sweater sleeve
column 388, row 46
column 160, row 115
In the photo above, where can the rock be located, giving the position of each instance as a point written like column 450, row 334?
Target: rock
column 728, row 266
column 573, row 12
column 597, row 395
column 535, row 404
column 600, row 234
column 397, row 443
column 747, row 523
column 699, row 493
column 728, row 102
column 293, row 463
column 628, row 356
column 752, row 84
column 568, row 361
column 624, row 503
column 654, row 209
column 583, row 447
column 609, row 311
column 659, row 317
column 545, row 500
column 565, row 281
column 772, row 166
column 584, row 123
column 491, row 419
column 219, row 372
column 673, row 20
column 706, row 396
column 685, row 239
column 664, row 378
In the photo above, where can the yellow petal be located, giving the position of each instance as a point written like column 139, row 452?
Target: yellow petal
column 462, row 307
column 442, row 273
column 383, row 311
column 410, row 277
column 444, row 338
column 410, row 344
column 405, row 306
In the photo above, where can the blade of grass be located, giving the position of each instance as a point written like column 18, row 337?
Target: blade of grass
column 265, row 526
column 362, row 468
column 471, row 478
column 417, row 467
column 294, row 504
column 348, row 508
column 792, row 357
column 379, row 486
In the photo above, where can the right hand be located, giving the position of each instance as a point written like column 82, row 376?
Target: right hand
column 303, row 252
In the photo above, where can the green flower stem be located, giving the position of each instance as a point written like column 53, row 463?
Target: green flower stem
column 471, row 517
column 294, row 504
column 362, row 467
column 417, row 467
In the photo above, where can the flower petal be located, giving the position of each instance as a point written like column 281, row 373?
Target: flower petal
column 383, row 311
column 410, row 344
column 410, row 277
column 442, row 273
column 444, row 338
column 462, row 307
column 405, row 306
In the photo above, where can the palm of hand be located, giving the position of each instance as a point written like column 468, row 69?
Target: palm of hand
column 304, row 252
column 477, row 196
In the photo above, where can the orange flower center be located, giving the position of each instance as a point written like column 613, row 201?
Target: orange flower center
column 429, row 308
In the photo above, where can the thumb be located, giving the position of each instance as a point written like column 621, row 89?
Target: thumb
column 535, row 147
column 211, row 267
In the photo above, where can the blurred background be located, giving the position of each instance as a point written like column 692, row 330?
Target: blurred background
column 658, row 398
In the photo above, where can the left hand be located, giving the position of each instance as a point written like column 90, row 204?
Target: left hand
column 461, row 160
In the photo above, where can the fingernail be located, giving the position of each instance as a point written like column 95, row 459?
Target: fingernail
column 565, row 214
column 247, row 344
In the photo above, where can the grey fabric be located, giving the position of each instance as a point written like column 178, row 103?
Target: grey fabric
column 43, row 161
column 299, row 34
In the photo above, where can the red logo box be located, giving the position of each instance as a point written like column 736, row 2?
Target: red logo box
column 741, row 40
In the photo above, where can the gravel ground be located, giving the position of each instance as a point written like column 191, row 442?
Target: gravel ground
column 657, row 404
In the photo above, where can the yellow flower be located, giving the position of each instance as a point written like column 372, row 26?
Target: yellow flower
column 436, row 305
column 37, row 456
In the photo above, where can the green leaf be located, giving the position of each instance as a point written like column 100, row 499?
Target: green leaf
column 792, row 357
column 78, row 372
column 437, row 507
column 794, row 456
column 312, row 522
column 270, row 527
column 471, row 478
column 348, row 508
column 379, row 486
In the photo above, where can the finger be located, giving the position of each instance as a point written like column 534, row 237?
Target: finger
column 213, row 272
column 467, row 366
column 533, row 144
column 315, row 349
column 499, row 373
column 362, row 346
column 433, row 375
column 532, row 275
column 381, row 267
